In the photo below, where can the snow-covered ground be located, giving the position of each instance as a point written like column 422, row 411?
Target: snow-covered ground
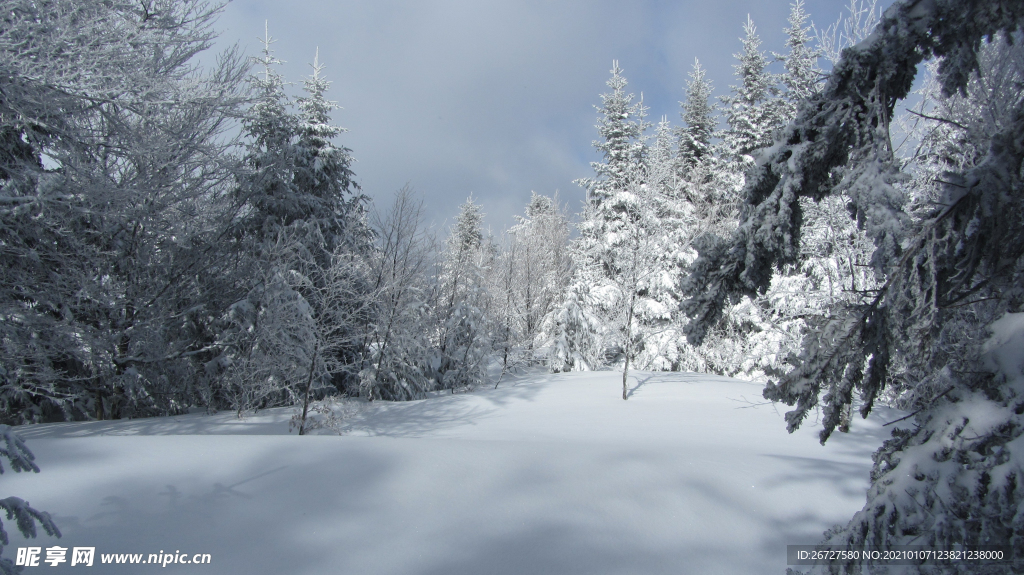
column 547, row 474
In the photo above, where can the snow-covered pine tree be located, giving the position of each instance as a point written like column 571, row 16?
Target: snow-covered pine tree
column 953, row 478
column 336, row 222
column 753, row 109
column 621, row 126
column 303, row 227
column 698, row 115
column 606, row 219
column 710, row 178
column 707, row 180
column 802, row 77
column 571, row 332
column 831, row 262
column 323, row 171
column 267, row 192
column 262, row 336
column 668, row 225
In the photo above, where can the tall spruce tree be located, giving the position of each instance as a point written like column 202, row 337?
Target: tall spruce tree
column 752, row 109
column 267, row 191
column 698, row 115
column 621, row 126
column 609, row 217
column 802, row 77
column 323, row 171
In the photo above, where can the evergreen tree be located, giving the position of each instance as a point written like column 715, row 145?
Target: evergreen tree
column 753, row 109
column 268, row 191
column 698, row 114
column 621, row 127
column 572, row 333
column 14, row 450
column 323, row 174
column 609, row 217
column 335, row 219
column 802, row 77
column 306, row 241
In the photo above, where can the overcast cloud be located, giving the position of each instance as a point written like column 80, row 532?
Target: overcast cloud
column 495, row 99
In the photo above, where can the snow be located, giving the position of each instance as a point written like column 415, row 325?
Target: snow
column 547, row 474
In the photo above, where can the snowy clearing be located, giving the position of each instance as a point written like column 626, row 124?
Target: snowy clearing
column 547, row 474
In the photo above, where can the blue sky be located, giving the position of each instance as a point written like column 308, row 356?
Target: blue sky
column 495, row 99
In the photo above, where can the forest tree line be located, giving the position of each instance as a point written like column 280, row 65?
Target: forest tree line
column 154, row 262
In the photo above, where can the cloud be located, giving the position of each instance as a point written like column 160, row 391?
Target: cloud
column 494, row 98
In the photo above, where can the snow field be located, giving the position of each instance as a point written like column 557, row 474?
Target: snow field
column 547, row 474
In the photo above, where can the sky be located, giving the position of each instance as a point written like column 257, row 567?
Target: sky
column 495, row 99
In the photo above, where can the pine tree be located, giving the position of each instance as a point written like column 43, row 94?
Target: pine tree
column 609, row 217
column 14, row 450
column 336, row 217
column 753, row 109
column 323, row 174
column 621, row 127
column 268, row 190
column 698, row 114
column 802, row 77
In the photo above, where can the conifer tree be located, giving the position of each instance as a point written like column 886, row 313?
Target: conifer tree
column 323, row 172
column 752, row 109
column 698, row 114
column 268, row 189
column 608, row 218
column 621, row 126
column 802, row 77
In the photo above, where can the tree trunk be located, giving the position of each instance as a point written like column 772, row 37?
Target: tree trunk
column 625, row 372
column 309, row 384
column 629, row 341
